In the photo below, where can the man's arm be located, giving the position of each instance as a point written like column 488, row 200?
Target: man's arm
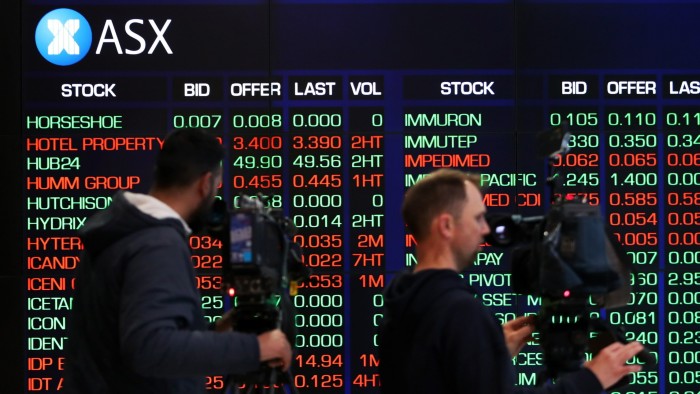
column 600, row 373
column 475, row 349
column 161, row 328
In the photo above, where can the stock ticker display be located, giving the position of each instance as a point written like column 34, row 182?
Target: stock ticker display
column 332, row 109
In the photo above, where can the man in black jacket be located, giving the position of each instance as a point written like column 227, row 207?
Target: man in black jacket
column 436, row 337
column 137, row 324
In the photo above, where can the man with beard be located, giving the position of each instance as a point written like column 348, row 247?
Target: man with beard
column 436, row 337
column 137, row 324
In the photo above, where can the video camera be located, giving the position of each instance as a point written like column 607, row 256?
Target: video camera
column 261, row 268
column 569, row 259
column 565, row 254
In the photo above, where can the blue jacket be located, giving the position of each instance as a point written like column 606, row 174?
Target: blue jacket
column 436, row 337
column 137, row 324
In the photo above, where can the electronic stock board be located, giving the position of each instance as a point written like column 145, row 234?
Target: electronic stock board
column 332, row 109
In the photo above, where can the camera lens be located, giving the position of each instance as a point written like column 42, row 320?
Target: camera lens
column 502, row 229
column 501, row 233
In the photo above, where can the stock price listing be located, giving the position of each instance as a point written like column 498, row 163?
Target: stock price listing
column 332, row 110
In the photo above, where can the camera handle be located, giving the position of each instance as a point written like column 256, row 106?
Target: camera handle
column 266, row 379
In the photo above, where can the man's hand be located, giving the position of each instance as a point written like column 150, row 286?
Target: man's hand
column 225, row 322
column 518, row 332
column 275, row 350
column 609, row 364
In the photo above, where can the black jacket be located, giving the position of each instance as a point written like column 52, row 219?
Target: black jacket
column 137, row 324
column 436, row 337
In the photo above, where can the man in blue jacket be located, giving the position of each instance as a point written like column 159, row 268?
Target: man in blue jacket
column 436, row 337
column 137, row 324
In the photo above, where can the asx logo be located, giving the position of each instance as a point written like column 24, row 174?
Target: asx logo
column 63, row 37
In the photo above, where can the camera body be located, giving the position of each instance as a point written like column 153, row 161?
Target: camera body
column 565, row 254
column 260, row 263
column 568, row 258
column 261, row 267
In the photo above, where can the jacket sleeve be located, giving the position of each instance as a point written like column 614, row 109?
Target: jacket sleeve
column 161, row 327
column 474, row 346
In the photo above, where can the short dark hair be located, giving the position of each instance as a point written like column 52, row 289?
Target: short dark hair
column 186, row 155
column 440, row 191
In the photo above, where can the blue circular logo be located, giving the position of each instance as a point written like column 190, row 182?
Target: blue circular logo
column 63, row 37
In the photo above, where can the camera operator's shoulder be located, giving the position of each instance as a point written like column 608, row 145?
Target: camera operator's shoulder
column 162, row 245
column 170, row 233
